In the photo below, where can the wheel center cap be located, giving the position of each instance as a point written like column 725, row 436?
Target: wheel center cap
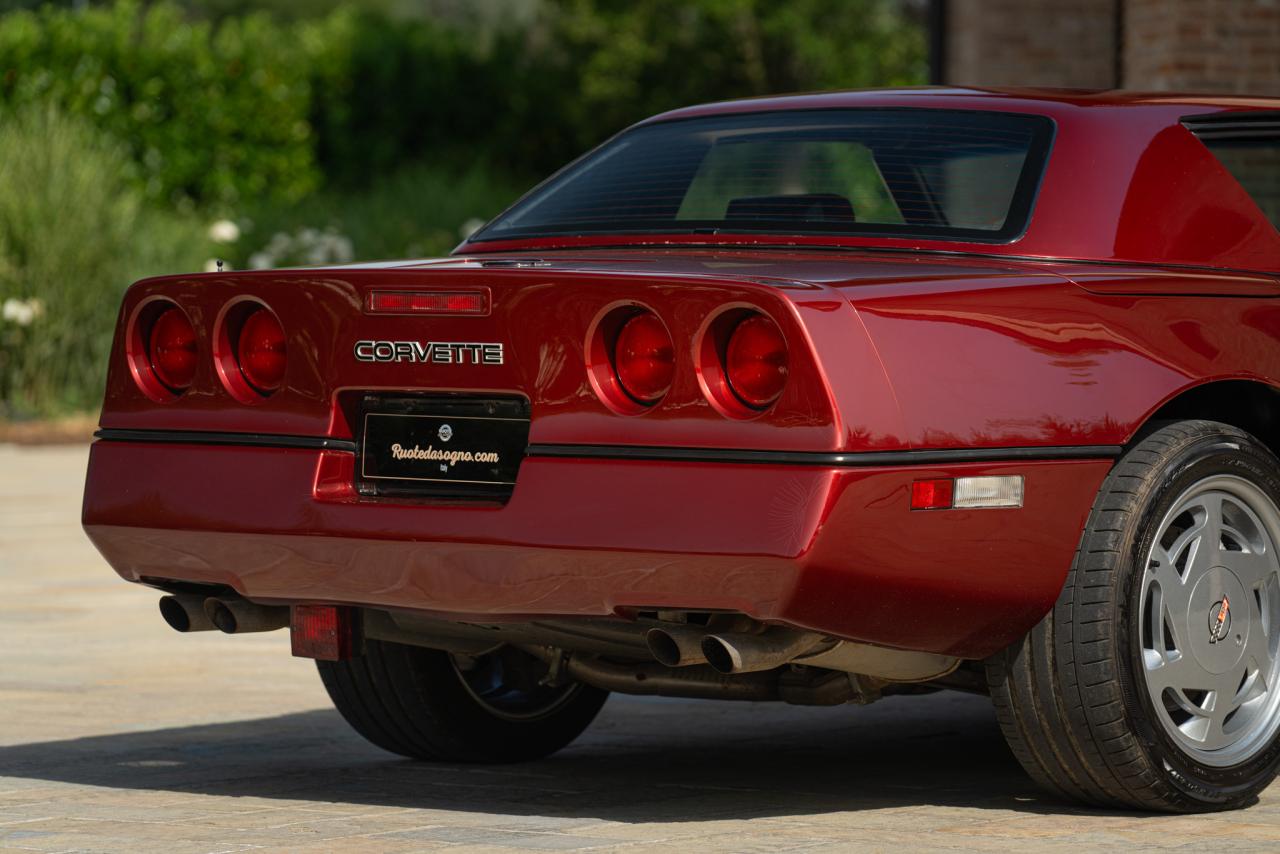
column 1218, row 620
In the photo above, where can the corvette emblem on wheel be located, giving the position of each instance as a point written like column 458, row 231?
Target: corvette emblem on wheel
column 1220, row 620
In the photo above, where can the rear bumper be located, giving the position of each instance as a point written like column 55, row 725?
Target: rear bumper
column 829, row 548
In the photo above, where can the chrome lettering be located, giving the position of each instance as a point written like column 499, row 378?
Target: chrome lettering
column 433, row 352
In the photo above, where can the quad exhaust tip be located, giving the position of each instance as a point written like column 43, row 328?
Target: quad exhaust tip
column 240, row 616
column 676, row 645
column 185, row 613
column 234, row 616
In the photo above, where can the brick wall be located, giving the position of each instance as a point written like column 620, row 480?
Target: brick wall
column 1031, row 43
column 1203, row 45
column 1230, row 46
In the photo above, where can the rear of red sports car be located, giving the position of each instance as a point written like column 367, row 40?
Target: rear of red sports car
column 783, row 402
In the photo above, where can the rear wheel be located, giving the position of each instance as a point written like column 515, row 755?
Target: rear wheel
column 1155, row 681
column 430, row 704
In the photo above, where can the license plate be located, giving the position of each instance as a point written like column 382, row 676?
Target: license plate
column 447, row 447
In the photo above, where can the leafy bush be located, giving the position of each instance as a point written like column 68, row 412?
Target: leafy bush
column 586, row 69
column 534, row 95
column 418, row 211
column 210, row 115
column 352, row 134
column 73, row 234
column 249, row 108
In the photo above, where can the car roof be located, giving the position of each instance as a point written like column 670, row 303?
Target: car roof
column 1127, row 179
column 1046, row 101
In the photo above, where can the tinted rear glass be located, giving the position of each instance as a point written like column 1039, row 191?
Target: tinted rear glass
column 943, row 174
column 1255, row 163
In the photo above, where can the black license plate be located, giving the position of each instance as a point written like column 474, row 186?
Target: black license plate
column 441, row 447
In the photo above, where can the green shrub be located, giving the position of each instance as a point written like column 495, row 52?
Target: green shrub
column 414, row 212
column 533, row 95
column 73, row 234
column 213, row 115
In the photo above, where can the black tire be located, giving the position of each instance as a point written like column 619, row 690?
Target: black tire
column 415, row 702
column 1071, row 696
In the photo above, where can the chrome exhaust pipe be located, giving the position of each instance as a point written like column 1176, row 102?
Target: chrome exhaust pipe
column 240, row 616
column 676, row 645
column 750, row 653
column 185, row 613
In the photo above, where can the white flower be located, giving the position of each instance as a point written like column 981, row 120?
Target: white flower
column 224, row 231
column 470, row 227
column 261, row 261
column 21, row 312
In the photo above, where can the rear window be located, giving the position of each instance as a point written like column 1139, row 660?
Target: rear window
column 1248, row 145
column 944, row 174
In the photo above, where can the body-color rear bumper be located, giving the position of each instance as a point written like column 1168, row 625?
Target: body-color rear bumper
column 830, row 548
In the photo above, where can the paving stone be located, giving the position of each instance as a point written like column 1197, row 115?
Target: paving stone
column 119, row 735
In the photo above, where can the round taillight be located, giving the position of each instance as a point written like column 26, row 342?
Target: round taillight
column 171, row 349
column 644, row 358
column 261, row 351
column 756, row 361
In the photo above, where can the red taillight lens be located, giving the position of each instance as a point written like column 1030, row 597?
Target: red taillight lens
column 756, row 361
column 323, row 632
column 171, row 349
column 932, row 494
column 644, row 358
column 261, row 351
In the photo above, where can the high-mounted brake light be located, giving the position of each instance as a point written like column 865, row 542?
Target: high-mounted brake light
column 756, row 361
column 644, row 358
column 261, row 351
column 428, row 302
column 171, row 349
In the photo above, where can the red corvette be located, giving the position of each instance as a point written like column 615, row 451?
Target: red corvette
column 814, row 399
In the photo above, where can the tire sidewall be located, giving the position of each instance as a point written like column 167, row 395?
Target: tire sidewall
column 1212, row 453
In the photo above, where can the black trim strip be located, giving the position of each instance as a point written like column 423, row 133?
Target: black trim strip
column 649, row 452
column 810, row 458
column 201, row 437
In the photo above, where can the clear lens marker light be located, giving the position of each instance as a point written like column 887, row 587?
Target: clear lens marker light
column 1002, row 491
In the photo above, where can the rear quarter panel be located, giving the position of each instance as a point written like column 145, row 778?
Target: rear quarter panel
column 1047, row 362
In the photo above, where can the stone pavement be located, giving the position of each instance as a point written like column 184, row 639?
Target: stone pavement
column 117, row 734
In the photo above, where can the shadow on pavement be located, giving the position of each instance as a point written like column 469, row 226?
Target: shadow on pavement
column 644, row 760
